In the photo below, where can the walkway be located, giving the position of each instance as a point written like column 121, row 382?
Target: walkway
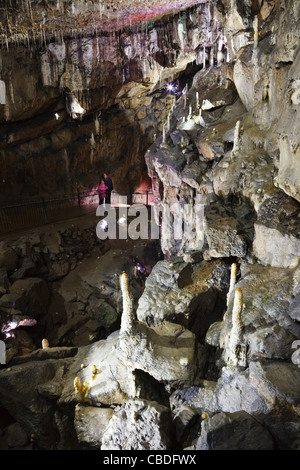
column 29, row 214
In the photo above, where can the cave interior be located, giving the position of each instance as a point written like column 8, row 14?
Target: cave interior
column 175, row 325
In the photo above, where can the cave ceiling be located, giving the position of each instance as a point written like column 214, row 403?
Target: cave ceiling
column 22, row 20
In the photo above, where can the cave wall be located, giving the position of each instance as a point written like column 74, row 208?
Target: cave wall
column 257, row 87
column 265, row 75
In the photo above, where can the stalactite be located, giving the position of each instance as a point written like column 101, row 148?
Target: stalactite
column 204, row 58
column 197, row 101
column 255, row 29
column 164, row 138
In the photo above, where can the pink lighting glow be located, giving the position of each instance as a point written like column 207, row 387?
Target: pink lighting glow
column 139, row 12
column 12, row 325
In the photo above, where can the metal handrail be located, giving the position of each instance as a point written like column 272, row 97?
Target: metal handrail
column 31, row 213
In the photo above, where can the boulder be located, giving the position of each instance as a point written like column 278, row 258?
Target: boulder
column 233, row 431
column 261, row 389
column 223, row 236
column 25, row 404
column 183, row 292
column 167, row 352
column 276, row 241
column 276, row 382
column 200, row 398
column 98, row 277
column 90, row 424
column 29, row 296
column 272, row 342
column 139, row 425
column 45, row 354
column 113, row 382
column 15, row 436
column 28, row 268
column 8, row 259
column 4, row 281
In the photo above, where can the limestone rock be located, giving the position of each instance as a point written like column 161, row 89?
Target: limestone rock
column 32, row 411
column 28, row 268
column 276, row 242
column 4, row 281
column 273, row 342
column 167, row 352
column 8, row 259
column 94, row 307
column 233, row 431
column 223, row 236
column 30, row 296
column 183, row 293
column 212, row 336
column 259, row 389
column 138, row 425
column 15, row 436
column 276, row 382
column 184, row 419
column 234, row 392
column 111, row 385
column 267, row 295
column 45, row 354
column 90, row 424
column 274, row 248
column 201, row 398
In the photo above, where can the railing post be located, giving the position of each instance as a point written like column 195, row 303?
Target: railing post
column 147, row 200
column 44, row 209
column 79, row 201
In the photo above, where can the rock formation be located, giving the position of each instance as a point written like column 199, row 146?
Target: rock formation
column 202, row 353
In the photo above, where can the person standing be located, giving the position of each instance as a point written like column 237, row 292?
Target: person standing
column 109, row 184
column 102, row 191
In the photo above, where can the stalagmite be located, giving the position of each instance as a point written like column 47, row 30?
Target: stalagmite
column 80, row 389
column 232, row 280
column 212, row 56
column 236, row 141
column 128, row 315
column 235, row 349
column 220, row 53
column 168, row 122
column 45, row 343
column 199, row 119
column 97, row 126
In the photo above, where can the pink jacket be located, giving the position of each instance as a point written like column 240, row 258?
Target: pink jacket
column 102, row 189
